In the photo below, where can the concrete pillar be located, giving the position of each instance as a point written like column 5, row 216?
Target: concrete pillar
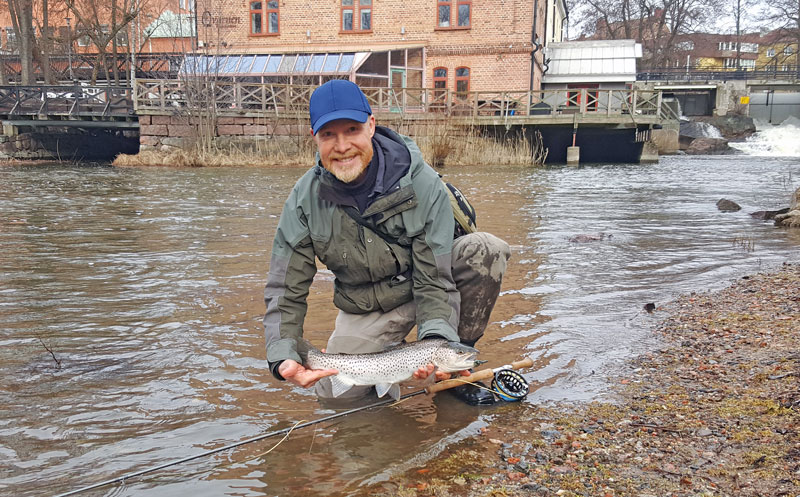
column 573, row 155
column 649, row 153
column 10, row 130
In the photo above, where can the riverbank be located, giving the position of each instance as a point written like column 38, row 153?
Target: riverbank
column 714, row 411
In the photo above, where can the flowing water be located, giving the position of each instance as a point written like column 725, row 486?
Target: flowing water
column 131, row 303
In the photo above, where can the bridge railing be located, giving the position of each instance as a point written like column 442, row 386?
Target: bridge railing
column 75, row 101
column 231, row 98
column 769, row 72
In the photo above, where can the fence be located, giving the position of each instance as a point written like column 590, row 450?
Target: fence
column 237, row 98
column 79, row 100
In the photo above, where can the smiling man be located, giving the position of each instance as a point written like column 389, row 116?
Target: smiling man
column 380, row 219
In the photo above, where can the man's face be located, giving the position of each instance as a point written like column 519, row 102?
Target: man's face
column 345, row 147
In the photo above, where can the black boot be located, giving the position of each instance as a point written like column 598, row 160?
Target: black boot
column 473, row 395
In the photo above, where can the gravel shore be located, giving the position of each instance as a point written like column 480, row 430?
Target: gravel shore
column 714, row 412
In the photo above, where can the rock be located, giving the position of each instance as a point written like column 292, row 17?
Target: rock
column 589, row 237
column 726, row 205
column 789, row 220
column 767, row 215
column 703, row 432
column 792, row 218
column 708, row 146
column 732, row 127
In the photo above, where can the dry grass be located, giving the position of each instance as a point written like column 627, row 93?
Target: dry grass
column 444, row 145
column 272, row 153
column 441, row 145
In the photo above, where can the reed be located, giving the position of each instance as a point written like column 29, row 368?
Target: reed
column 441, row 144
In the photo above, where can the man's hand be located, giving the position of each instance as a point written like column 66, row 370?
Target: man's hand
column 425, row 371
column 296, row 373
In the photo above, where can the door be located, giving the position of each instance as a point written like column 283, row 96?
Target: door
column 397, row 95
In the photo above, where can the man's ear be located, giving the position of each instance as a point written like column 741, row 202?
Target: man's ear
column 371, row 122
column 311, row 130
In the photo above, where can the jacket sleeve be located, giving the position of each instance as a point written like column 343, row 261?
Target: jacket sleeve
column 291, row 271
column 438, row 301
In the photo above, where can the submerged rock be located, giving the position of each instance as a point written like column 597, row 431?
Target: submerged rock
column 589, row 237
column 726, row 205
column 767, row 215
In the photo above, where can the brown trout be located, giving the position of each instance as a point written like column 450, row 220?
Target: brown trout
column 388, row 368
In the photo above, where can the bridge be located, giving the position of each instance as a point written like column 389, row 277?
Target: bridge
column 162, row 108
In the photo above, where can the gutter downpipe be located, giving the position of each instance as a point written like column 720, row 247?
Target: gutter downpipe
column 536, row 46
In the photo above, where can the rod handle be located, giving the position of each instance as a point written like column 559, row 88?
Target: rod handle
column 483, row 374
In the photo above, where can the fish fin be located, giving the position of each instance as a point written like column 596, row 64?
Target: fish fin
column 431, row 379
column 339, row 387
column 393, row 389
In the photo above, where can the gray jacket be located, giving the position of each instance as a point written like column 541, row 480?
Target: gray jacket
column 411, row 260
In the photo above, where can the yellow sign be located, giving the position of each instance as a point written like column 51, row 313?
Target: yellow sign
column 744, row 100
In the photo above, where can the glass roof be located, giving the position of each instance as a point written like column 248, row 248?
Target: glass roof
column 272, row 64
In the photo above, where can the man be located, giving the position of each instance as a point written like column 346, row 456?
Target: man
column 380, row 219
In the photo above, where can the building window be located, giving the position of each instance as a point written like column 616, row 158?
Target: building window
column 788, row 51
column 264, row 17
column 356, row 15
column 770, row 52
column 684, row 45
column 462, row 13
column 11, row 37
column 440, row 77
column 462, row 80
column 743, row 64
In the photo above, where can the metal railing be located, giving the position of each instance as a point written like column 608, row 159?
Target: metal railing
column 770, row 72
column 73, row 101
column 229, row 97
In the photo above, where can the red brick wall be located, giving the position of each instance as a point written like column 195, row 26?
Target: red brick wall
column 496, row 48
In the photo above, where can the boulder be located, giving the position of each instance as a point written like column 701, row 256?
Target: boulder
column 726, row 205
column 708, row 146
column 792, row 218
column 767, row 215
column 732, row 127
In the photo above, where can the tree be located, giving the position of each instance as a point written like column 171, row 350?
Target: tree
column 21, row 12
column 103, row 25
column 653, row 23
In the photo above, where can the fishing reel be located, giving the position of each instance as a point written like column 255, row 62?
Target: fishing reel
column 509, row 385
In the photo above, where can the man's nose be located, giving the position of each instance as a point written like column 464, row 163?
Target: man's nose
column 341, row 143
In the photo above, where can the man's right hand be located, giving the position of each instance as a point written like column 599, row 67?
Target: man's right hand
column 296, row 373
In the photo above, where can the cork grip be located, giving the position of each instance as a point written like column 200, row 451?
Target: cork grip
column 483, row 374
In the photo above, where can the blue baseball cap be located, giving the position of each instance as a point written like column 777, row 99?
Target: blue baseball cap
column 338, row 99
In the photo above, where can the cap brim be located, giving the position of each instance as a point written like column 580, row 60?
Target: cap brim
column 353, row 115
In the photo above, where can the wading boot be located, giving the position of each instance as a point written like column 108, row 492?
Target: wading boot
column 474, row 395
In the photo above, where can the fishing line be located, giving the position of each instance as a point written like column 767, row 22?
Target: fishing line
column 510, row 390
column 283, row 431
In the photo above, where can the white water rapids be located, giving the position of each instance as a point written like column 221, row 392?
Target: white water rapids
column 773, row 141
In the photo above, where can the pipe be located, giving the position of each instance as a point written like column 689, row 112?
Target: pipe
column 534, row 43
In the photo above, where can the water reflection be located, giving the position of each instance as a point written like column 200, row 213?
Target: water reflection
column 131, row 306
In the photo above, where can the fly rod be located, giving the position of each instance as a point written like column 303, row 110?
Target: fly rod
column 437, row 387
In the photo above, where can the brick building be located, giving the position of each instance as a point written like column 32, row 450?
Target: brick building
column 458, row 45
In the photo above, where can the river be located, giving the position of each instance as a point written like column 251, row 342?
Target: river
column 132, row 299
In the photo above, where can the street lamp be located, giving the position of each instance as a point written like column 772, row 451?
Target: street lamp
column 69, row 48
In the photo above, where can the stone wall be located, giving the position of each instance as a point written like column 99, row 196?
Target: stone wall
column 64, row 144
column 168, row 133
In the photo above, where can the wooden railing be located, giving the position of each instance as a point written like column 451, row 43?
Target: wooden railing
column 74, row 101
column 231, row 98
